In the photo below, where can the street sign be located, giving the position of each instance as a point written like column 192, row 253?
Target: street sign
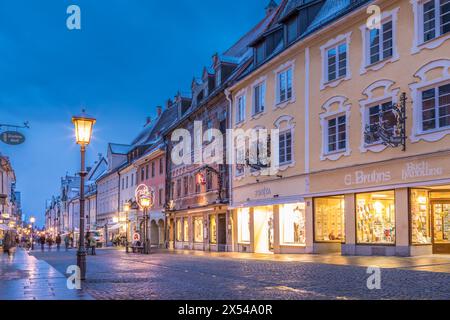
column 12, row 137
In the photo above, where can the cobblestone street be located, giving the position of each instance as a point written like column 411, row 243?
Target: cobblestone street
column 113, row 274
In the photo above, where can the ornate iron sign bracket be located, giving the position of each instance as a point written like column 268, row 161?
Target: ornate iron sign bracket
column 390, row 133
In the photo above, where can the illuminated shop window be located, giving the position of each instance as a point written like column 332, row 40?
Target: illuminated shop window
column 292, row 223
column 179, row 230
column 375, row 217
column 186, row 229
column 329, row 215
column 213, row 229
column 440, row 206
column 420, row 217
column 198, row 229
column 244, row 225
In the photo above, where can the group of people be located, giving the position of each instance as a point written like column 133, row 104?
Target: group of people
column 91, row 242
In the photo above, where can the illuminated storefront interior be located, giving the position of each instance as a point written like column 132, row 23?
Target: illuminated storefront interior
column 243, row 215
column 329, row 217
column 198, row 229
column 292, row 224
column 263, row 224
column 375, row 218
column 213, row 229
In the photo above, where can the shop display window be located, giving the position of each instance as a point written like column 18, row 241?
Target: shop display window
column 375, row 218
column 420, row 217
column 198, row 229
column 244, row 225
column 292, row 223
column 213, row 229
column 186, row 230
column 179, row 230
column 329, row 217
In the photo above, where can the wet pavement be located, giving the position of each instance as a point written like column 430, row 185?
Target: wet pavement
column 185, row 275
column 23, row 277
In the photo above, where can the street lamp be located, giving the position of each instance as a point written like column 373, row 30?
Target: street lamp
column 32, row 221
column 83, row 133
column 126, row 209
column 145, row 203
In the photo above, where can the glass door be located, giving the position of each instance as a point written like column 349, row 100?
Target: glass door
column 441, row 227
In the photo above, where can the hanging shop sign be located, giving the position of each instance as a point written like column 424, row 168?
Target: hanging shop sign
column 136, row 237
column 12, row 137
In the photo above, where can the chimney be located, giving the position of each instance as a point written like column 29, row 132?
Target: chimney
column 148, row 121
column 159, row 110
column 271, row 7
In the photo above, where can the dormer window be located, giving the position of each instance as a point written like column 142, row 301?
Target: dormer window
column 259, row 53
column 291, row 30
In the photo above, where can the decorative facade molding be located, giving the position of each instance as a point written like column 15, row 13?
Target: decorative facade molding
column 289, row 126
column 260, row 81
column 417, row 133
column 343, row 109
column 241, row 93
column 343, row 38
column 418, row 41
column 365, row 64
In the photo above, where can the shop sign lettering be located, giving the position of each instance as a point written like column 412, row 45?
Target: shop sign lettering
column 420, row 170
column 264, row 192
column 361, row 177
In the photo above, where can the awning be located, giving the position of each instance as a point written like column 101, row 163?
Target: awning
column 114, row 227
column 4, row 227
column 267, row 202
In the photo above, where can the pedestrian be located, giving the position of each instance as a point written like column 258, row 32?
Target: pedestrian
column 92, row 244
column 42, row 241
column 71, row 241
column 58, row 242
column 67, row 242
column 50, row 243
column 9, row 243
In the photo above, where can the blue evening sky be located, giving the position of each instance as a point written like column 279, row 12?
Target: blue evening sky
column 129, row 57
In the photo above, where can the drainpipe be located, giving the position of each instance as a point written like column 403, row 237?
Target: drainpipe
column 230, row 169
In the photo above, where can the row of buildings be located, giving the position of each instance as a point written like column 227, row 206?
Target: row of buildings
column 358, row 93
column 10, row 199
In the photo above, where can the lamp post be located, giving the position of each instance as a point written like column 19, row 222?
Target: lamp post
column 32, row 221
column 145, row 203
column 126, row 209
column 83, row 132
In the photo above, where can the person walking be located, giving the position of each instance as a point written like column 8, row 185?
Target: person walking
column 67, row 242
column 9, row 243
column 50, row 243
column 92, row 244
column 58, row 241
column 42, row 241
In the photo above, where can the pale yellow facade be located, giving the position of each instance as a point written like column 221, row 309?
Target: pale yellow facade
column 351, row 174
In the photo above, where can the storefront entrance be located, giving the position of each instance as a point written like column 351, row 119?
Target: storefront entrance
column 263, row 217
column 222, row 233
column 440, row 214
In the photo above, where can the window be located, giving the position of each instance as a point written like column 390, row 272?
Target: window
column 179, row 230
column 436, row 108
column 209, row 181
column 146, row 172
column 212, row 229
column 375, row 218
column 186, row 186
column 337, row 134
column 380, row 115
column 218, row 76
column 160, row 195
column 172, row 190
column 132, row 179
column 153, row 169
column 240, row 109
column 292, row 223
column 260, row 54
column 126, row 182
column 161, row 166
column 336, row 65
column 198, row 229
column 436, row 19
column 186, row 229
column 420, row 217
column 197, row 186
column 142, row 174
column 284, row 81
column 123, row 183
column 259, row 94
column 244, row 225
column 178, row 188
column 285, row 147
column 381, row 43
column 329, row 219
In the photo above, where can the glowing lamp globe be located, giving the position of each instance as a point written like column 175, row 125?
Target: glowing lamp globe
column 83, row 128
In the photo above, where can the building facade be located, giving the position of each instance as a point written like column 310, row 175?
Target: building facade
column 363, row 119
